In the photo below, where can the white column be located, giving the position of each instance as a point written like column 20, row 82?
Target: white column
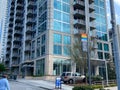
column 96, row 70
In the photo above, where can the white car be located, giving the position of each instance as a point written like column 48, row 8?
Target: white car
column 71, row 77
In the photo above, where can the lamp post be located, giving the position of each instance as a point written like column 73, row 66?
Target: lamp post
column 116, row 43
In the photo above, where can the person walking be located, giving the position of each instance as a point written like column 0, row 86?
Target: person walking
column 4, row 84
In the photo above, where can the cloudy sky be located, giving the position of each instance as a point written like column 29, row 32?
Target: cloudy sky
column 117, row 11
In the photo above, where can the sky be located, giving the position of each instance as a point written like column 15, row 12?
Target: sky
column 117, row 12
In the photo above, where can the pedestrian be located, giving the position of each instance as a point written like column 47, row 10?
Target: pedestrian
column 4, row 84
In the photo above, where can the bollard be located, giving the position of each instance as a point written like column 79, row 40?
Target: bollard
column 58, row 83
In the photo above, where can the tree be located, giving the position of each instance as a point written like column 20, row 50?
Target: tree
column 78, row 55
column 2, row 67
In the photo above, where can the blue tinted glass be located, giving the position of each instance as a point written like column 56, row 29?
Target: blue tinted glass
column 106, row 47
column 57, row 38
column 57, row 15
column 104, row 37
column 99, row 46
column 66, row 50
column 96, row 9
column 96, row 2
column 100, row 55
column 57, row 4
column 66, row 7
column 67, row 40
column 66, row 18
column 57, row 49
column 66, row 28
column 101, row 3
column 57, row 25
column 67, row 1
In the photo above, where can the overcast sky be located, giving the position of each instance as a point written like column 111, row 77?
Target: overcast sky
column 117, row 11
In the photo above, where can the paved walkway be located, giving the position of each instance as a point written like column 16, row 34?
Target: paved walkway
column 49, row 85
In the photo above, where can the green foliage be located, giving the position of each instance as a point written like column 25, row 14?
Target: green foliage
column 83, row 88
column 96, row 78
column 111, row 71
column 2, row 67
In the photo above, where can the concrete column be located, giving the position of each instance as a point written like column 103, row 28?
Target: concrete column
column 96, row 70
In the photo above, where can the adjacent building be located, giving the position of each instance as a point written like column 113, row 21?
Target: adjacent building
column 3, row 27
column 40, row 32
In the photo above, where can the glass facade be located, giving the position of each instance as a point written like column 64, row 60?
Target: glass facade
column 61, row 16
column 61, row 65
column 101, row 27
column 40, row 67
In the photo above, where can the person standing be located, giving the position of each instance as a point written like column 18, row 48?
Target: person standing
column 4, row 84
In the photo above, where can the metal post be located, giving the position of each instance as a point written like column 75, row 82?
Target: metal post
column 106, row 73
column 115, row 43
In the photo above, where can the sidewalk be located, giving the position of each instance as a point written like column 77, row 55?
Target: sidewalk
column 50, row 85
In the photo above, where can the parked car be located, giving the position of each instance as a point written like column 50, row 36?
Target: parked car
column 70, row 77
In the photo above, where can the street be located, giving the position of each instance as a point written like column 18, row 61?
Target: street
column 22, row 86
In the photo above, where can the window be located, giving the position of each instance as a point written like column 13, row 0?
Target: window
column 57, row 49
column 57, row 25
column 57, row 4
column 66, row 8
column 57, row 38
column 67, row 40
column 66, row 50
column 43, row 50
column 57, row 15
column 106, row 47
column 100, row 55
column 66, row 28
column 43, row 39
column 99, row 46
column 66, row 18
column 40, row 67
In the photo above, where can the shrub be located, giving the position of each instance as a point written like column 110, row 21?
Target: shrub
column 83, row 88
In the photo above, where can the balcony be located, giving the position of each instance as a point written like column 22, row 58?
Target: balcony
column 32, row 4
column 15, row 55
column 28, row 38
column 31, row 12
column 79, row 23
column 14, row 64
column 30, row 21
column 79, row 13
column 92, row 16
column 91, row 7
column 79, row 4
column 27, row 49
column 17, row 39
column 92, row 26
column 17, row 32
column 91, row 1
column 79, row 31
column 16, row 46
column 19, row 6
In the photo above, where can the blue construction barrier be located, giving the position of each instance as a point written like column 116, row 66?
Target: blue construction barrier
column 58, row 83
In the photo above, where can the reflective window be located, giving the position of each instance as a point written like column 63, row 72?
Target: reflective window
column 57, row 4
column 66, row 8
column 57, row 25
column 67, row 40
column 43, row 39
column 66, row 18
column 66, row 51
column 106, row 47
column 99, row 46
column 66, row 28
column 57, row 38
column 100, row 55
column 57, row 15
column 57, row 49
column 67, row 1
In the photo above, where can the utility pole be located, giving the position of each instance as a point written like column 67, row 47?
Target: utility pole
column 116, row 47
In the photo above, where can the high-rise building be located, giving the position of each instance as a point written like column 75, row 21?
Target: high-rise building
column 3, row 26
column 40, row 33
